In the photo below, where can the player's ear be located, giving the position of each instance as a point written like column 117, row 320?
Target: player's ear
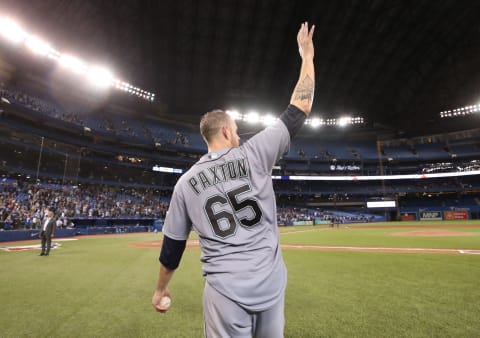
column 226, row 132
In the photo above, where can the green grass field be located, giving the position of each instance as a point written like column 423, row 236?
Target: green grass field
column 102, row 287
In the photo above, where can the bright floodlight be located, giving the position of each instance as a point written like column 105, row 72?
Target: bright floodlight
column 343, row 121
column 100, row 76
column 463, row 111
column 315, row 122
column 252, row 117
column 234, row 114
column 54, row 55
column 12, row 31
column 73, row 63
column 38, row 46
column 269, row 119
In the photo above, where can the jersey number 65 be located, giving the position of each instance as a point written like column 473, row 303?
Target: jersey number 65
column 228, row 227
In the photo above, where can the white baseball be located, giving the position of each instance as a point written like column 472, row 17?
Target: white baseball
column 165, row 302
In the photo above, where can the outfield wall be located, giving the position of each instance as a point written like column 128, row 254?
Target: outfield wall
column 89, row 226
column 24, row 235
column 439, row 213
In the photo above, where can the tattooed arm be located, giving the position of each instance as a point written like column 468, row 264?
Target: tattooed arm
column 302, row 96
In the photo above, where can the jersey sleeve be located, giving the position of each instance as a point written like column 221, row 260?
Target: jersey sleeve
column 269, row 145
column 177, row 224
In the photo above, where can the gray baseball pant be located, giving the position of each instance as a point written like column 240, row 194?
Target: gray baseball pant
column 225, row 318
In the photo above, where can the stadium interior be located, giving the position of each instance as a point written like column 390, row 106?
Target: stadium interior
column 396, row 115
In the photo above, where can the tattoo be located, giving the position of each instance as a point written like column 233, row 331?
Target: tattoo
column 304, row 90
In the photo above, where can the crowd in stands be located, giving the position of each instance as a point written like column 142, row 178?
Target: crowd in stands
column 22, row 205
column 180, row 139
column 292, row 215
column 38, row 105
column 349, row 188
column 129, row 128
column 287, row 216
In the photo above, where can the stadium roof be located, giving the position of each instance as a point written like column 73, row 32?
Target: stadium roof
column 396, row 63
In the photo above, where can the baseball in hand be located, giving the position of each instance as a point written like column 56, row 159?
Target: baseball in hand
column 165, row 302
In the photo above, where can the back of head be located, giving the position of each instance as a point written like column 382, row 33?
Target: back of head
column 212, row 122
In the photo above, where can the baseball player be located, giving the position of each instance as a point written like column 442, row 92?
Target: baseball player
column 227, row 197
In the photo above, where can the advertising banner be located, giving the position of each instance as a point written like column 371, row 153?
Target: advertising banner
column 430, row 216
column 321, row 221
column 408, row 216
column 303, row 223
column 455, row 215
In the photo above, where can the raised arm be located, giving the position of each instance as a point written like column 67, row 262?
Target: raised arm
column 302, row 96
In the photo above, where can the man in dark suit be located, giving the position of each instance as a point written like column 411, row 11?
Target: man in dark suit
column 47, row 231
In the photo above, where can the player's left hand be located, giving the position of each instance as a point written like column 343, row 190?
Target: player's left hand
column 304, row 40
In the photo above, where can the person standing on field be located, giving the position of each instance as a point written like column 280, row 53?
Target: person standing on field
column 47, row 231
column 227, row 197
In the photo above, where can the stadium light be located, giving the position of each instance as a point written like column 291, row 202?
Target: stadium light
column 269, row 120
column 316, row 122
column 128, row 88
column 38, row 46
column 234, row 114
column 74, row 64
column 12, row 31
column 54, row 55
column 343, row 121
column 252, row 117
column 462, row 111
column 331, row 122
column 100, row 76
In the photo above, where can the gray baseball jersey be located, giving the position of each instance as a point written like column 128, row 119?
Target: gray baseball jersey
column 228, row 199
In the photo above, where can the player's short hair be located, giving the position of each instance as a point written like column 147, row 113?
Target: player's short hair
column 212, row 122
